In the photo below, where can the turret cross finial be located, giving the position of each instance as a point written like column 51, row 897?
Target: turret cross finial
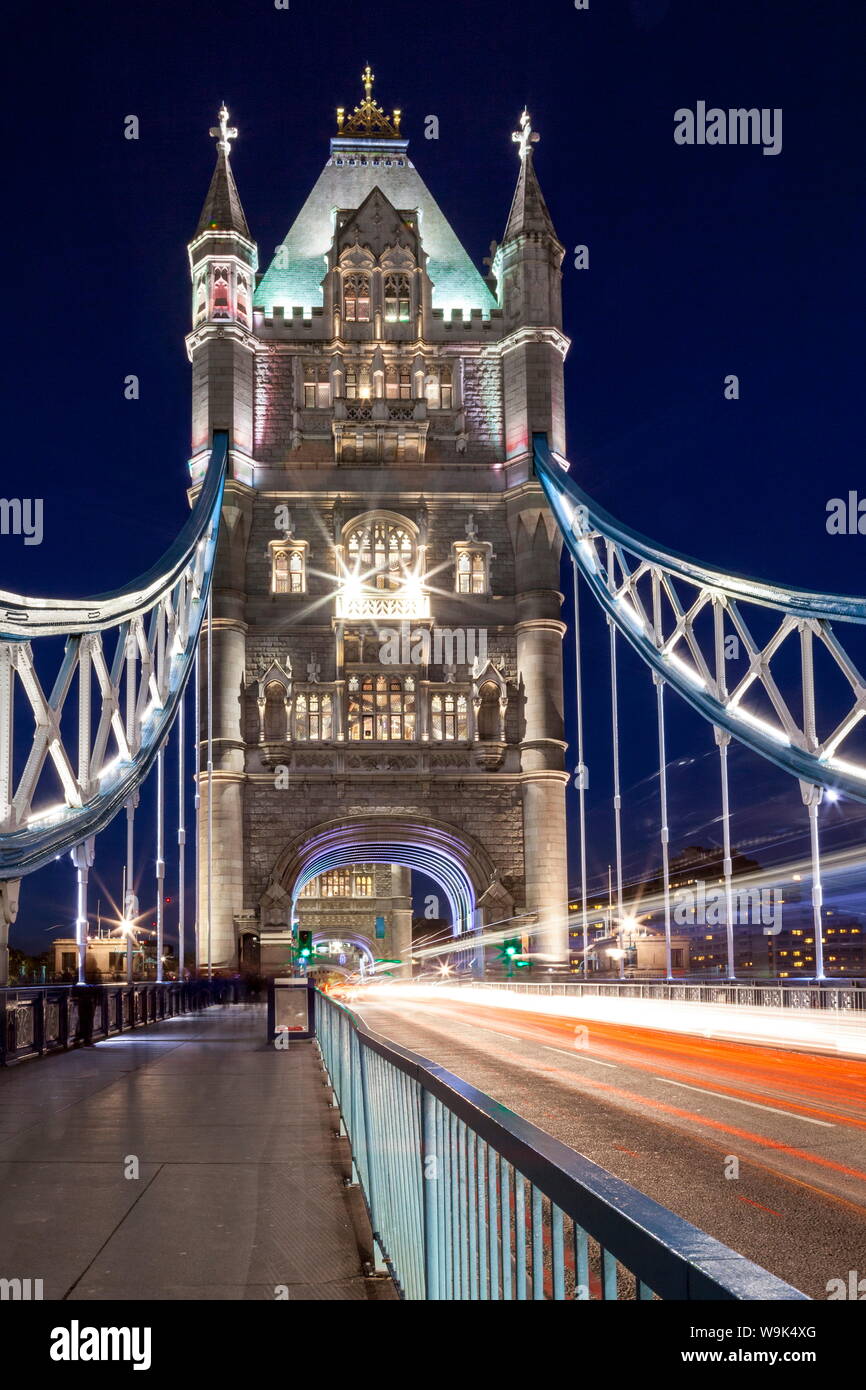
column 525, row 136
column 224, row 132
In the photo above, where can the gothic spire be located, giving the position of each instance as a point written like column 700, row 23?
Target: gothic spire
column 528, row 209
column 222, row 209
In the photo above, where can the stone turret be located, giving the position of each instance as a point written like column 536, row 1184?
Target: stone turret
column 223, row 260
column 527, row 270
column 221, row 347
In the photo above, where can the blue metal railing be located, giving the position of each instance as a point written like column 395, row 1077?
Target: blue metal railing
column 469, row 1201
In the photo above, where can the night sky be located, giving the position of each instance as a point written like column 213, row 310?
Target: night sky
column 704, row 261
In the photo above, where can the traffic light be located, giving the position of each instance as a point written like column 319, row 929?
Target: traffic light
column 507, row 953
column 305, row 944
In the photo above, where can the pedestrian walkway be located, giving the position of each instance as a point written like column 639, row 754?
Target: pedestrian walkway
column 185, row 1160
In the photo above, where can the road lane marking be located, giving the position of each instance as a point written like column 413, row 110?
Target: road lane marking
column 755, row 1104
column 565, row 1053
column 760, row 1207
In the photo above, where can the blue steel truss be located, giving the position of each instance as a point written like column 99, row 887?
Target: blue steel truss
column 655, row 597
column 138, row 644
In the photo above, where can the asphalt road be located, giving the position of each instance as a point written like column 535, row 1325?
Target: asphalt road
column 670, row 1114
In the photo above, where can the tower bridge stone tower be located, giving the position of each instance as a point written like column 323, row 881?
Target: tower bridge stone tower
column 386, row 632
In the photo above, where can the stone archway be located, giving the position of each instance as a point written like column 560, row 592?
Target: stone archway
column 453, row 859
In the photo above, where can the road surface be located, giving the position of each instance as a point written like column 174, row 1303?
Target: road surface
column 763, row 1148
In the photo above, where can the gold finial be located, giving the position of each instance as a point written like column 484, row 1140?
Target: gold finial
column 525, row 136
column 224, row 132
column 368, row 120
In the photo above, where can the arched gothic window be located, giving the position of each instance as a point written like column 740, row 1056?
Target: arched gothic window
column 381, row 708
column 201, row 297
column 242, row 296
column 438, row 387
column 398, row 383
column 356, row 298
column 397, row 298
column 313, row 716
column 317, row 386
column 275, row 713
column 488, row 713
column 221, row 305
column 341, row 883
column 382, row 552
column 471, row 572
column 448, row 716
column 288, row 570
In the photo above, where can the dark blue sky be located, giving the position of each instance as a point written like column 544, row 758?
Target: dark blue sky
column 703, row 261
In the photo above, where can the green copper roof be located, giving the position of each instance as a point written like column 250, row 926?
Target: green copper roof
column 294, row 277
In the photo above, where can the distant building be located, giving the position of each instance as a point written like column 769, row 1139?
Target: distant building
column 105, row 959
column 701, row 949
column 106, row 955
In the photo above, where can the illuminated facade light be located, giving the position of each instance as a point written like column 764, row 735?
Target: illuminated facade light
column 761, row 725
column 687, row 672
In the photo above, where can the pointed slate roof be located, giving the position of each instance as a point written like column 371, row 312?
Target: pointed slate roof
column 222, row 208
column 295, row 276
column 528, row 209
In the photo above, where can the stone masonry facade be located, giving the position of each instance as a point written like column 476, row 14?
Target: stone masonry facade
column 386, row 630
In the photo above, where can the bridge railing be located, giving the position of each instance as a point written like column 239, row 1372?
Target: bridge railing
column 51, row 1018
column 843, row 1000
column 469, row 1201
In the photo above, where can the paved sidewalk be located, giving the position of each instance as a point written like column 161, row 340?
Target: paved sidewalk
column 239, row 1192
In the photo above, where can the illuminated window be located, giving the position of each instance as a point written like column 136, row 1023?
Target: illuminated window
column 337, row 883
column 356, row 298
column 242, row 297
column 201, row 297
column 288, row 570
column 220, row 308
column 341, row 883
column 438, row 388
column 471, row 571
column 397, row 298
column 313, row 716
column 448, row 716
column 382, row 552
column 381, row 708
column 398, row 383
column 317, row 386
